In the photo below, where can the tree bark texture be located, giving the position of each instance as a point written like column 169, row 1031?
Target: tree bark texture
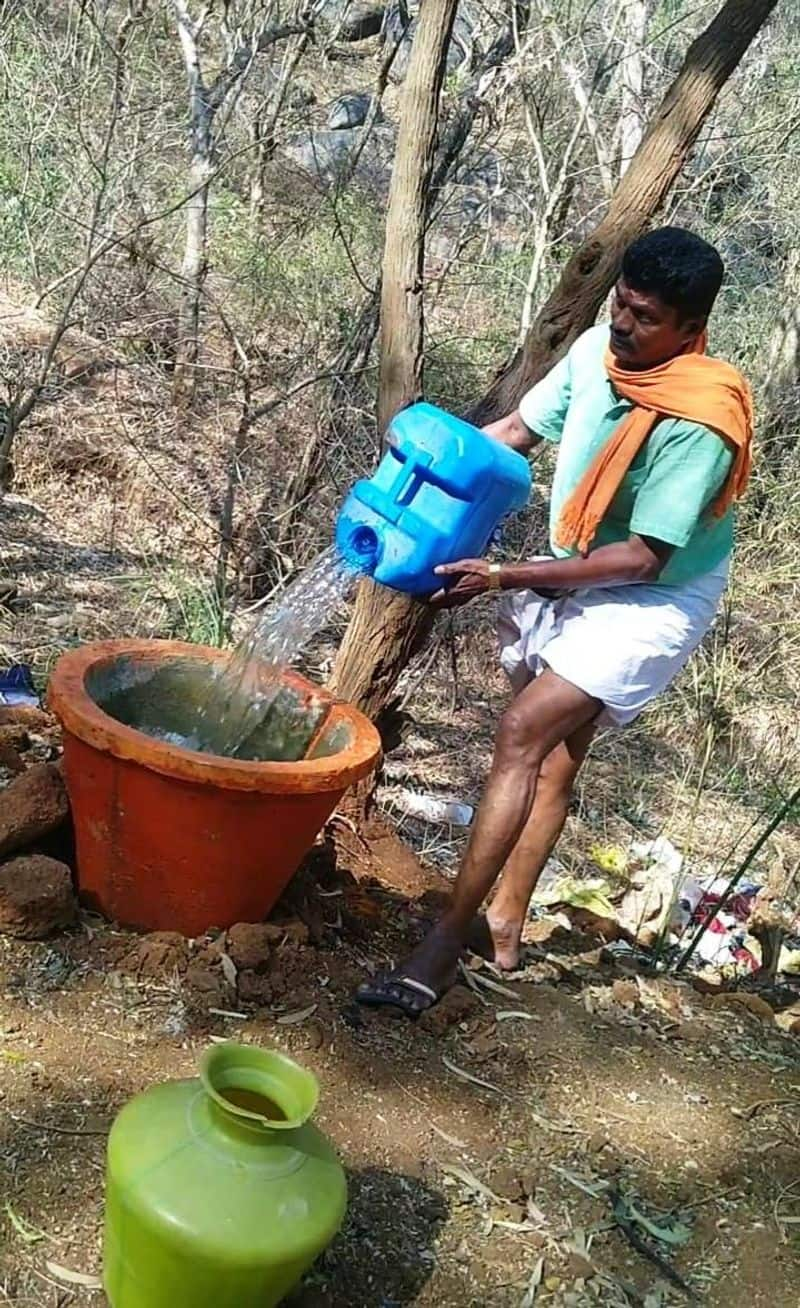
column 205, row 102
column 387, row 628
column 402, row 323
column 632, row 114
column 592, row 270
column 193, row 274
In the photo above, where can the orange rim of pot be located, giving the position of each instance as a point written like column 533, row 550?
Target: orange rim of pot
column 69, row 699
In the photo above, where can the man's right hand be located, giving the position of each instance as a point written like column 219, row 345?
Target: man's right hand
column 512, row 431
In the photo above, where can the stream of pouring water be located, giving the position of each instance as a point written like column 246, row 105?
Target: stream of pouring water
column 248, row 684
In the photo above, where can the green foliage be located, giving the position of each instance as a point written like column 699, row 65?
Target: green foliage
column 174, row 603
column 311, row 277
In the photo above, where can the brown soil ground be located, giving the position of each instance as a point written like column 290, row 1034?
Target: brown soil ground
column 462, row 1191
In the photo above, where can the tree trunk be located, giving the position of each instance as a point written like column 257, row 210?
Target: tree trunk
column 631, row 114
column 193, row 272
column 401, row 352
column 386, row 627
column 590, row 273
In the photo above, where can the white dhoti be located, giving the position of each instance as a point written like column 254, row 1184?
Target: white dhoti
column 622, row 645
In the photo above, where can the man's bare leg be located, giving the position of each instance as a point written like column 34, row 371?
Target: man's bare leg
column 548, row 711
column 506, row 914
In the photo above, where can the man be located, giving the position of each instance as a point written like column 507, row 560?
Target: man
column 653, row 447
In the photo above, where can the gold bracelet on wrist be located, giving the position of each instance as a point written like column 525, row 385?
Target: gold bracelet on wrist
column 494, row 575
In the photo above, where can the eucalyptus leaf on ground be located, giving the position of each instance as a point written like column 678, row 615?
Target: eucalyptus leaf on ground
column 68, row 1277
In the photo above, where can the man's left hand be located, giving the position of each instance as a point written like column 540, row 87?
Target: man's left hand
column 464, row 581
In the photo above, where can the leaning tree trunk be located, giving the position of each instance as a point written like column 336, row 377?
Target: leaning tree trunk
column 386, row 627
column 590, row 273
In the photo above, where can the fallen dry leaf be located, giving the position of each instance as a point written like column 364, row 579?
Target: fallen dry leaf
column 68, row 1277
column 300, row 1015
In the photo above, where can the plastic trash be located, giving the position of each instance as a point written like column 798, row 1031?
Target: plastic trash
column 16, row 686
column 660, row 851
column 433, row 809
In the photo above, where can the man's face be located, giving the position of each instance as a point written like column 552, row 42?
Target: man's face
column 644, row 330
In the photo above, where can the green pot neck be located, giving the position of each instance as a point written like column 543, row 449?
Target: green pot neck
column 255, row 1093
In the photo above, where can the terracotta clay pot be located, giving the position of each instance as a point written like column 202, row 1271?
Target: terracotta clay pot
column 172, row 839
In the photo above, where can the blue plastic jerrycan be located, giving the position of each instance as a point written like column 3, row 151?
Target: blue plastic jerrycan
column 438, row 495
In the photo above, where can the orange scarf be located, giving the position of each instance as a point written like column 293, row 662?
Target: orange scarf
column 691, row 386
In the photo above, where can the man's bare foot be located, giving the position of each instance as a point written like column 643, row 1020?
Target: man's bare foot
column 497, row 939
column 419, row 982
column 506, row 934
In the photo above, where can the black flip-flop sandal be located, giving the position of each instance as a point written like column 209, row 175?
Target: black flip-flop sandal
column 479, row 939
column 406, row 999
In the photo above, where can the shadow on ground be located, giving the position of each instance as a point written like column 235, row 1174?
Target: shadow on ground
column 384, row 1254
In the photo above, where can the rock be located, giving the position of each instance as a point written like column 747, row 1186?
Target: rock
column 483, row 172
column 12, row 740
column 363, row 20
column 459, row 51
column 325, row 155
column 10, row 760
column 255, row 988
column 456, row 1005
column 350, row 110
column 32, row 806
column 354, row 21
column 741, row 999
column 249, row 945
column 36, row 897
column 25, row 715
column 291, row 974
column 159, row 954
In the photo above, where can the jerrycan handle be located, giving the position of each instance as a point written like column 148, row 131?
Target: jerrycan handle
column 415, row 469
column 410, row 461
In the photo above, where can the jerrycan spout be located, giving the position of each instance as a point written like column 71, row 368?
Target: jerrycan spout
column 360, row 548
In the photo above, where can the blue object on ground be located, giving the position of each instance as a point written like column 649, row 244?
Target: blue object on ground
column 437, row 496
column 16, row 686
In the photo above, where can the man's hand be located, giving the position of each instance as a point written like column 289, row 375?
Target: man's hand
column 465, row 581
column 512, row 431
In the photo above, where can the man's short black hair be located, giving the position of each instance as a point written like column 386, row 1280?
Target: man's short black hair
column 681, row 268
